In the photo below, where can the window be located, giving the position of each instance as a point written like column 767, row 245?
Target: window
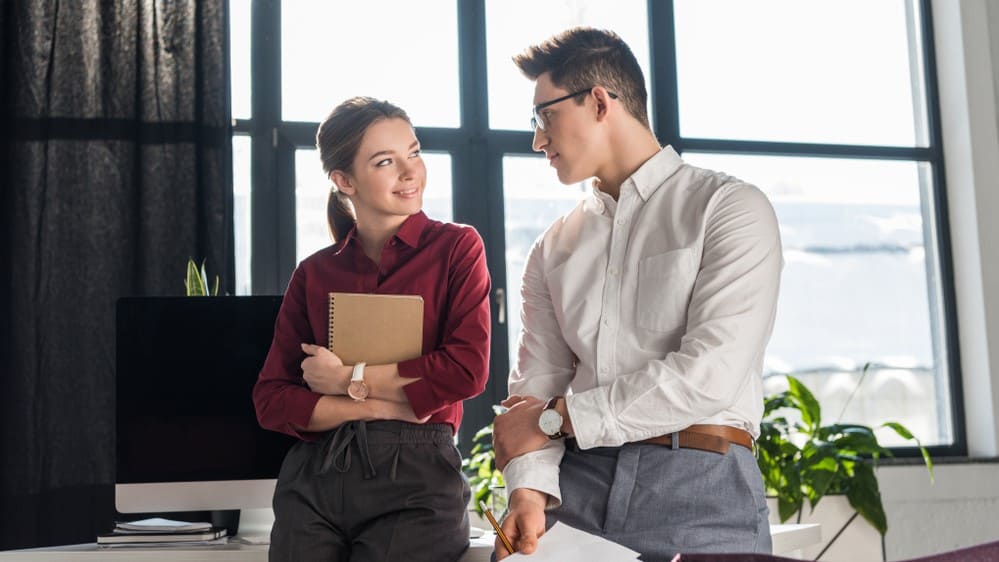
column 842, row 135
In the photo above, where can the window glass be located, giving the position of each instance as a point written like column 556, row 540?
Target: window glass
column 833, row 71
column 312, row 189
column 509, row 31
column 386, row 49
column 241, row 219
column 858, row 287
column 239, row 58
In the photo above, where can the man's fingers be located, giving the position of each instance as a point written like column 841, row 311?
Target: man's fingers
column 511, row 400
column 526, row 541
column 509, row 526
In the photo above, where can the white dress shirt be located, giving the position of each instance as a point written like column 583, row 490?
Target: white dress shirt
column 651, row 313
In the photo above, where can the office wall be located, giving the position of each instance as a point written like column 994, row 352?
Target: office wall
column 962, row 507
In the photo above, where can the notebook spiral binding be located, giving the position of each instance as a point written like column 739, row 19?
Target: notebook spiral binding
column 329, row 337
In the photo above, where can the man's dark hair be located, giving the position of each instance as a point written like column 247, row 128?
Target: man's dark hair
column 583, row 57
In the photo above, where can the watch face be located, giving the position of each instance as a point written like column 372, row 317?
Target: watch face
column 550, row 422
column 357, row 390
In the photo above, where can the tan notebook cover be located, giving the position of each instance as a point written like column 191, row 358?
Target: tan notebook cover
column 376, row 329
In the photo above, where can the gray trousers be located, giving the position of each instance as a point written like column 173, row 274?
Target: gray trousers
column 369, row 491
column 660, row 501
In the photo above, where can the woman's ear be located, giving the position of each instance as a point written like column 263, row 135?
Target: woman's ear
column 342, row 182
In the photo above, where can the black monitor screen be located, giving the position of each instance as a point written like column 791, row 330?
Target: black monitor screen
column 186, row 367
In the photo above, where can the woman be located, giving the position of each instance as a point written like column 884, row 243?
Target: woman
column 376, row 478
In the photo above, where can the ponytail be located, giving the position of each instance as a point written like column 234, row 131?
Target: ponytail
column 339, row 215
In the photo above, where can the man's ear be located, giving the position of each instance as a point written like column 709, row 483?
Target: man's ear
column 603, row 102
column 342, row 182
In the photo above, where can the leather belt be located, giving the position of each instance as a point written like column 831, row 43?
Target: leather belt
column 714, row 438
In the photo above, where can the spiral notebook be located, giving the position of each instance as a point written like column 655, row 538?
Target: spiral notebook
column 376, row 329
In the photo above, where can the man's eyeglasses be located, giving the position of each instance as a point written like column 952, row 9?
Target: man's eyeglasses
column 537, row 122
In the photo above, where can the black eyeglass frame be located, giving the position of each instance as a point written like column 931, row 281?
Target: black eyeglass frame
column 538, row 123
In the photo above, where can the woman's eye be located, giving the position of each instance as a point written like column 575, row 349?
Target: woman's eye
column 384, row 162
column 415, row 153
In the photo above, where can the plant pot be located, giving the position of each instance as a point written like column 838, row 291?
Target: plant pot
column 858, row 541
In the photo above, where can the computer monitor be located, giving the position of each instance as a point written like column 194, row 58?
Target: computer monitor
column 187, row 434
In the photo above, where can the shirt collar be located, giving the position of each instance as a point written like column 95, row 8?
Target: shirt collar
column 411, row 229
column 655, row 171
column 646, row 180
column 409, row 233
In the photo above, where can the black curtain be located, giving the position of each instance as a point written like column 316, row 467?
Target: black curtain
column 116, row 169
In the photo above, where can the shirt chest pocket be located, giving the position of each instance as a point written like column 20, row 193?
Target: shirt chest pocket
column 665, row 282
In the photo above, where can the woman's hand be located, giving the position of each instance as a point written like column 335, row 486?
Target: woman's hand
column 323, row 371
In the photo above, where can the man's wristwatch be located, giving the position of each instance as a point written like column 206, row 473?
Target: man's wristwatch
column 550, row 421
column 357, row 389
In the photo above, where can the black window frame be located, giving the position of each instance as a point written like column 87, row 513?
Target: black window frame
column 477, row 166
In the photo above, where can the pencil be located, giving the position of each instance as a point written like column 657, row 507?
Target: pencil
column 499, row 531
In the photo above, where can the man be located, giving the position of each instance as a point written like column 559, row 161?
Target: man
column 637, row 391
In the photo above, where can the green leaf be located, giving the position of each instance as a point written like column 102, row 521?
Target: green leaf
column 904, row 432
column 864, row 496
column 787, row 506
column 900, row 429
column 805, row 402
column 192, row 282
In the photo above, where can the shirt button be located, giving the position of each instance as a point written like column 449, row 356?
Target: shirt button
column 392, row 243
column 621, row 222
column 603, row 369
column 607, row 322
column 613, row 271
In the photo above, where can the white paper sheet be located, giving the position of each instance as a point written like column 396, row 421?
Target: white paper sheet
column 563, row 543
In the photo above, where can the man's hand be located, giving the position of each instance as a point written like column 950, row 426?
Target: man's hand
column 516, row 432
column 524, row 523
column 323, row 371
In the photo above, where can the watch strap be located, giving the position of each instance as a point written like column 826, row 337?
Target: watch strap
column 358, row 373
column 550, row 405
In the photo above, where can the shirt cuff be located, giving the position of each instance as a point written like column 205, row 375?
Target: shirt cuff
column 298, row 408
column 421, row 398
column 534, row 471
column 591, row 424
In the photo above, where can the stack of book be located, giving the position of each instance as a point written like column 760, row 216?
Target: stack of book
column 162, row 532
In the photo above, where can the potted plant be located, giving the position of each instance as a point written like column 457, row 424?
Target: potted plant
column 196, row 281
column 484, row 478
column 800, row 458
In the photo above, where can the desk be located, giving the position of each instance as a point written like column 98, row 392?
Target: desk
column 788, row 540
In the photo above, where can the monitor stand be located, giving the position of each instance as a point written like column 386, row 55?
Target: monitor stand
column 227, row 518
column 255, row 526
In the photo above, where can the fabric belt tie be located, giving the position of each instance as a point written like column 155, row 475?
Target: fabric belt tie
column 714, row 438
column 337, row 449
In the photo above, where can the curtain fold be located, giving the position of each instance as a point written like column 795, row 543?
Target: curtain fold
column 116, row 127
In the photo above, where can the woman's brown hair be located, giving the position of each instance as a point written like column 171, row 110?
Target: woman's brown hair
column 338, row 140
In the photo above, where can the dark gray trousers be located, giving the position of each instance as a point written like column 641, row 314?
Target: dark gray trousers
column 660, row 501
column 369, row 491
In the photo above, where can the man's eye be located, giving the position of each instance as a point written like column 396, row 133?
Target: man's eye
column 415, row 153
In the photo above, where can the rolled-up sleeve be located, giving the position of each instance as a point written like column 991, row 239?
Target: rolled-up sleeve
column 459, row 367
column 545, row 366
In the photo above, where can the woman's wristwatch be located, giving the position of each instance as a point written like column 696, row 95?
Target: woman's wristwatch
column 357, row 389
